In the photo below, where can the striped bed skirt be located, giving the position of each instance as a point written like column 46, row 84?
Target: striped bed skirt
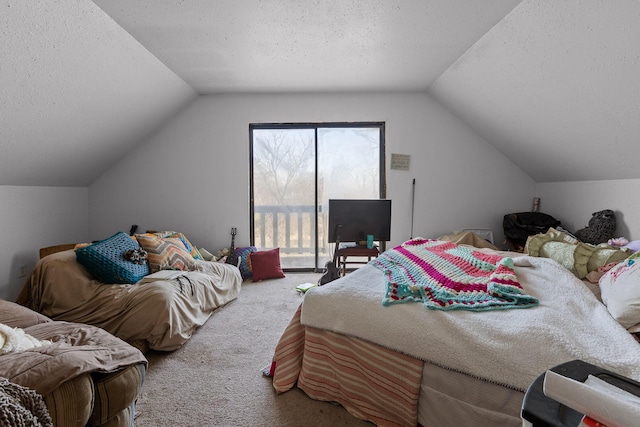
column 371, row 382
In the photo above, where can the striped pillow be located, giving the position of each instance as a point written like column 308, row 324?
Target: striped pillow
column 165, row 253
column 244, row 261
column 187, row 244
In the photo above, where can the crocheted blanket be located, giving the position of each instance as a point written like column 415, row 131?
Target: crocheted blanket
column 22, row 407
column 446, row 276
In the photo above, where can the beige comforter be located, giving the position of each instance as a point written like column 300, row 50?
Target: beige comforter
column 158, row 314
column 75, row 349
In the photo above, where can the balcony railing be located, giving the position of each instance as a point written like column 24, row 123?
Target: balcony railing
column 291, row 228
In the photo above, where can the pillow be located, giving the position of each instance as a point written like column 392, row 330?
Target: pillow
column 206, row 255
column 187, row 244
column 266, row 264
column 165, row 253
column 106, row 262
column 620, row 292
column 244, row 261
column 579, row 258
column 595, row 275
column 18, row 316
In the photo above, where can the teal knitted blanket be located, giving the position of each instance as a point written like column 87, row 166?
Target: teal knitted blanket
column 446, row 276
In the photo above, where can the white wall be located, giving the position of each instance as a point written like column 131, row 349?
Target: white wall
column 574, row 202
column 36, row 217
column 193, row 174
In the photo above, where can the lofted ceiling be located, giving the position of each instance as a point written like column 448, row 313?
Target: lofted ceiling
column 555, row 86
column 302, row 46
column 77, row 92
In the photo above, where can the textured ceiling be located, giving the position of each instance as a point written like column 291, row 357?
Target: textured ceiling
column 303, row 46
column 553, row 85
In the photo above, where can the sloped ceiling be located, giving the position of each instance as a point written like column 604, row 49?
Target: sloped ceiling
column 553, row 85
column 77, row 92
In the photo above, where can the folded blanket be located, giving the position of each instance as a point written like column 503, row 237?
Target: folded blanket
column 15, row 339
column 446, row 276
column 75, row 349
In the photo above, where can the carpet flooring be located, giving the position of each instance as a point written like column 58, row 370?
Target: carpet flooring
column 215, row 379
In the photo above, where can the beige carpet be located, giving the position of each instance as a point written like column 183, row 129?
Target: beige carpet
column 215, row 378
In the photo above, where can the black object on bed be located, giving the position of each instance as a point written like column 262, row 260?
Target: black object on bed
column 519, row 226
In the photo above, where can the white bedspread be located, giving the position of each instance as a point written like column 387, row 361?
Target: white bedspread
column 508, row 347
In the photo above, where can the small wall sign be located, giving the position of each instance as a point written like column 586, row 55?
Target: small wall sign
column 400, row 161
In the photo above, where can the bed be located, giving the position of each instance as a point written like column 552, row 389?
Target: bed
column 405, row 364
column 158, row 309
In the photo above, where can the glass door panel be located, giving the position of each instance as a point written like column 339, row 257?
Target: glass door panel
column 295, row 170
column 284, row 194
column 348, row 168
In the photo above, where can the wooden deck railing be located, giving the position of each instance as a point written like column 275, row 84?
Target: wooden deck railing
column 291, row 228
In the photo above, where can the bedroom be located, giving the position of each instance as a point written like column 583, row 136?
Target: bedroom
column 77, row 185
column 105, row 175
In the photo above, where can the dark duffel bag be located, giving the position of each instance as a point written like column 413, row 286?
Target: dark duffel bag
column 519, row 226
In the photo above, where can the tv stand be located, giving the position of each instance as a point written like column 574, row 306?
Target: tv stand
column 353, row 250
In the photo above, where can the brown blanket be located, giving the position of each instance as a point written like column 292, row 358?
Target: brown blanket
column 161, row 314
column 467, row 238
column 76, row 349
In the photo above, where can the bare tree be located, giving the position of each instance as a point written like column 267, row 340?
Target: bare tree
column 283, row 166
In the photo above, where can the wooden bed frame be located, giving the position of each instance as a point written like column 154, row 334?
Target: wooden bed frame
column 57, row 248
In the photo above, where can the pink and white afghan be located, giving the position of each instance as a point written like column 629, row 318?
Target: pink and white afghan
column 447, row 276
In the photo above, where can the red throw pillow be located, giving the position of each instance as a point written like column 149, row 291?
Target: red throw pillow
column 266, row 264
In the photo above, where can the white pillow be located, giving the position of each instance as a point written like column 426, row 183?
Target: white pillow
column 206, row 255
column 620, row 291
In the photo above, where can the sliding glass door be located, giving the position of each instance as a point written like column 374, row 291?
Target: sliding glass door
column 296, row 169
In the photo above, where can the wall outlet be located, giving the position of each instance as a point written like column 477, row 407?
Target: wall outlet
column 22, row 270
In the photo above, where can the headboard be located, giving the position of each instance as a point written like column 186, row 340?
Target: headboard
column 57, row 248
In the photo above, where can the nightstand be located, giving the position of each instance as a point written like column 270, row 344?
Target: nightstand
column 355, row 252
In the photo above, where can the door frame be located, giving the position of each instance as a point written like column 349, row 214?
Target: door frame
column 315, row 126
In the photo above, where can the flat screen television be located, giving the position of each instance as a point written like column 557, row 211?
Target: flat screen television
column 351, row 220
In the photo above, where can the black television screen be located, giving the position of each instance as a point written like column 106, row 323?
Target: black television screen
column 351, row 220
